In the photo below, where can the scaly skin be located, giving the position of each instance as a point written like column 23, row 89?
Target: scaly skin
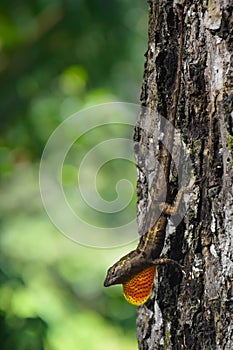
column 148, row 249
column 130, row 267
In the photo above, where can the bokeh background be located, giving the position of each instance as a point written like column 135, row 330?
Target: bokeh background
column 56, row 58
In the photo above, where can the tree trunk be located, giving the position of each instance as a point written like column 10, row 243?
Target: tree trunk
column 194, row 311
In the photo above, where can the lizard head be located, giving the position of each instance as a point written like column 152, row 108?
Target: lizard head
column 116, row 274
column 137, row 287
column 124, row 269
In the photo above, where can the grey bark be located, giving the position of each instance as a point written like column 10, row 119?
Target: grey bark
column 194, row 311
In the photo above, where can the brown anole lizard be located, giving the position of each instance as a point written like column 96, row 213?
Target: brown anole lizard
column 136, row 269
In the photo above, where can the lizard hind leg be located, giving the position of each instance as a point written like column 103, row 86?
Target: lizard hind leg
column 139, row 288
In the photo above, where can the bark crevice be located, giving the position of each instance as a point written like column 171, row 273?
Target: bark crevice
column 193, row 312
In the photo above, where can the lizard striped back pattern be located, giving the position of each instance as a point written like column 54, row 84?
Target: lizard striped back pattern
column 136, row 270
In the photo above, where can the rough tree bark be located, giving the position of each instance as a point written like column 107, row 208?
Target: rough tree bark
column 195, row 311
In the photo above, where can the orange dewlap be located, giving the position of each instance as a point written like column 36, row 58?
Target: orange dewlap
column 138, row 289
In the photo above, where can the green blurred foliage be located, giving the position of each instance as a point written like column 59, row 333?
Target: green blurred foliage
column 58, row 57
